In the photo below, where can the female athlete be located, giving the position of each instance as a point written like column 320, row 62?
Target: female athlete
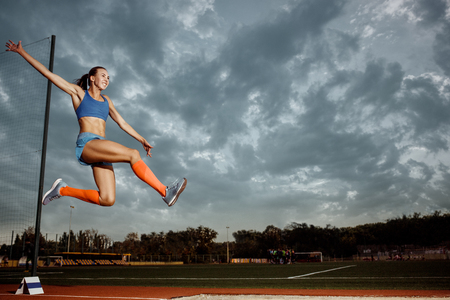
column 92, row 109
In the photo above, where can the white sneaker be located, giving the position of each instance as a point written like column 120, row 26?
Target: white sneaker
column 174, row 190
column 53, row 193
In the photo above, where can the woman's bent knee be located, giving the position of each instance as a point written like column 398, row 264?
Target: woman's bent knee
column 135, row 156
column 107, row 201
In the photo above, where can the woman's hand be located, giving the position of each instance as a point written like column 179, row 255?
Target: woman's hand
column 67, row 87
column 147, row 147
column 13, row 47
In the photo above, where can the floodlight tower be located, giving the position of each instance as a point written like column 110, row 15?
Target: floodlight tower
column 70, row 224
column 228, row 249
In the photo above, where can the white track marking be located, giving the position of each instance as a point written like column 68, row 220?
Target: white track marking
column 324, row 271
column 92, row 297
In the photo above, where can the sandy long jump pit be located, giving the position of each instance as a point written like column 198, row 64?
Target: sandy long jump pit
column 325, row 295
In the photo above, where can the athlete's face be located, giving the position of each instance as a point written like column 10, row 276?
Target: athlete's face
column 101, row 79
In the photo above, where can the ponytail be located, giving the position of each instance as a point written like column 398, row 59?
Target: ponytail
column 84, row 81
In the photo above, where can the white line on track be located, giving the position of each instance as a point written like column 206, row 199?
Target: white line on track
column 324, row 271
column 93, row 297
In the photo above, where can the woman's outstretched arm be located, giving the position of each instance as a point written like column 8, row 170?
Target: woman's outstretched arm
column 67, row 87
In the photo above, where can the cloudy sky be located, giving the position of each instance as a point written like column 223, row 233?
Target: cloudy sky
column 323, row 112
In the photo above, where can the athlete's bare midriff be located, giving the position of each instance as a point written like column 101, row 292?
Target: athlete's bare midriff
column 93, row 125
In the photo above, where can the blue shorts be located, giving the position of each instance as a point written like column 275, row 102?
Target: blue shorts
column 82, row 140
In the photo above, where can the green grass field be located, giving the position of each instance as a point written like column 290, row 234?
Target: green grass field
column 412, row 275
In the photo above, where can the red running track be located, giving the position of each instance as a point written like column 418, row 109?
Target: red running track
column 7, row 292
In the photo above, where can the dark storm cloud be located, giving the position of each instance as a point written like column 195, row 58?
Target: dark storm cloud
column 428, row 111
column 441, row 48
column 253, row 60
column 377, row 85
column 430, row 12
column 433, row 13
column 256, row 55
column 332, row 136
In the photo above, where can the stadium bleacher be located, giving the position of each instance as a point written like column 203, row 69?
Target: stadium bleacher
column 90, row 262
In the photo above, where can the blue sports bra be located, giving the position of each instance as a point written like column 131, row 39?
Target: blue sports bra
column 89, row 107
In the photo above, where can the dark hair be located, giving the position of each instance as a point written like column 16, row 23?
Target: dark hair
column 84, row 81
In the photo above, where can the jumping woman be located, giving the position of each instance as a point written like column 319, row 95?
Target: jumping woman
column 92, row 109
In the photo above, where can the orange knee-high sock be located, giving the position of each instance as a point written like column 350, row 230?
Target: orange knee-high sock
column 90, row 196
column 145, row 174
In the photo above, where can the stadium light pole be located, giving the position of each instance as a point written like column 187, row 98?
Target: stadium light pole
column 228, row 249
column 70, row 224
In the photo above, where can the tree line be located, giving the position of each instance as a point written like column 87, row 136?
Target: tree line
column 394, row 234
column 397, row 233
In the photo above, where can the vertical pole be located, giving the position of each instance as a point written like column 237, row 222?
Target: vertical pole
column 24, row 237
column 228, row 249
column 43, row 156
column 70, row 224
column 11, row 249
